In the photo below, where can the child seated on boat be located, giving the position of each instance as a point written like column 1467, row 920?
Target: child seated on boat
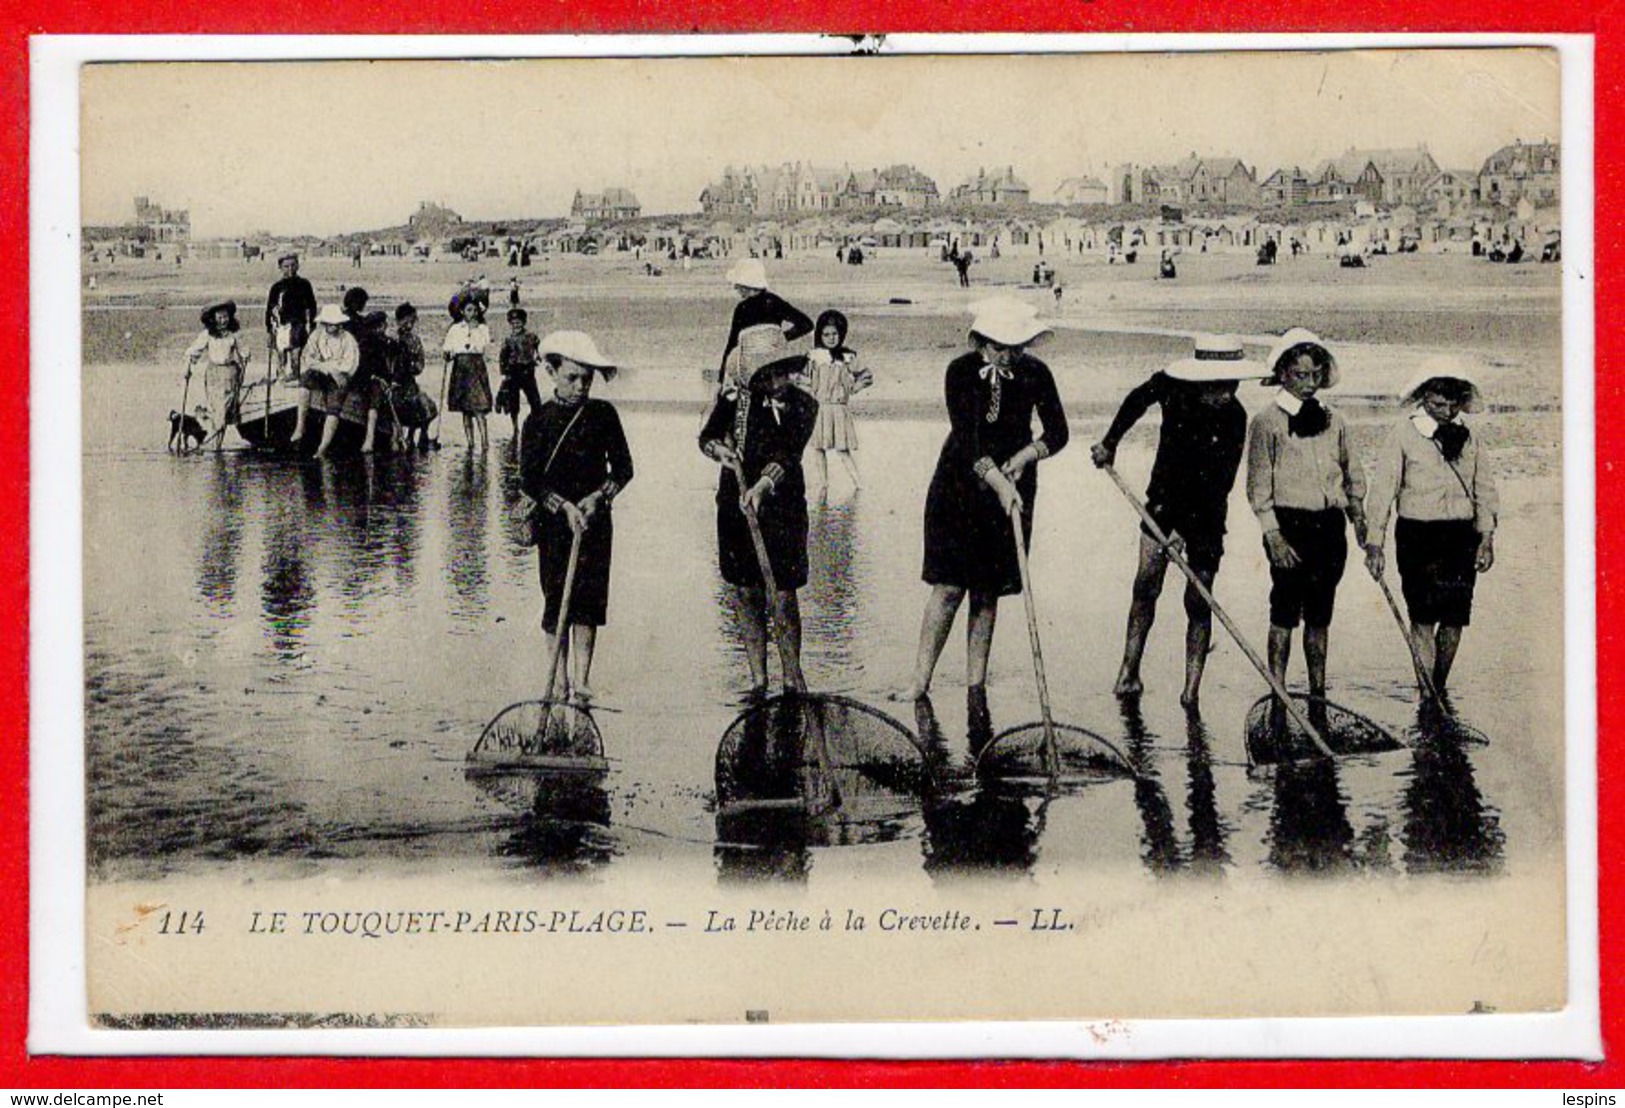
column 414, row 409
column 331, row 359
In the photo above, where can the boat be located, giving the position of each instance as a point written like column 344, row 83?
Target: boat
column 269, row 408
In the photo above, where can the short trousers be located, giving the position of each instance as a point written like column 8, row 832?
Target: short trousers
column 1204, row 546
column 1308, row 591
column 1438, row 568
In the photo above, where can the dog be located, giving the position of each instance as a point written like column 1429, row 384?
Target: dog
column 188, row 433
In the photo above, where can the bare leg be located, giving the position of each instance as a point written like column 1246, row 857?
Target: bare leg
column 1280, row 651
column 790, row 612
column 1198, row 639
column 583, row 641
column 1315, row 644
column 938, row 620
column 560, row 677
column 1449, row 643
column 820, row 471
column 485, row 441
column 1142, row 613
column 330, row 429
column 851, row 464
column 468, row 429
column 372, row 431
column 1423, row 635
column 984, row 613
column 304, row 413
column 753, row 626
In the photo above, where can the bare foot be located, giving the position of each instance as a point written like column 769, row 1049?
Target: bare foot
column 1128, row 685
column 908, row 695
column 366, row 448
column 1190, row 698
column 583, row 694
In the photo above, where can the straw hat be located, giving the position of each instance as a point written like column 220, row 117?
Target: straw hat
column 1007, row 321
column 749, row 273
column 227, row 306
column 575, row 346
column 1448, row 367
column 1216, row 358
column 764, row 348
column 1296, row 337
column 332, row 313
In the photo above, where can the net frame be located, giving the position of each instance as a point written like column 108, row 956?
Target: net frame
column 1298, row 747
column 547, row 735
column 1082, row 756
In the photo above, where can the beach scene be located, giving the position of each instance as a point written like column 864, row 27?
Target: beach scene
column 288, row 661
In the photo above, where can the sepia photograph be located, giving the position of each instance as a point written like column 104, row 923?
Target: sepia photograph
column 745, row 539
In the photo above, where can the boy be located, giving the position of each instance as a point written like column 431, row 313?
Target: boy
column 1204, row 429
column 518, row 365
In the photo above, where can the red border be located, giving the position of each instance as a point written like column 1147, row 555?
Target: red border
column 20, row 19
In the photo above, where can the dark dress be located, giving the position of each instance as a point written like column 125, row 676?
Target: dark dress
column 1198, row 453
column 769, row 433
column 593, row 456
column 753, row 311
column 968, row 540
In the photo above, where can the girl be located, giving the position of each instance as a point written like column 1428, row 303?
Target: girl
column 987, row 468
column 218, row 346
column 469, row 388
column 833, row 375
column 330, row 359
column 574, row 461
column 414, row 410
column 1444, row 534
column 760, row 427
column 757, row 307
column 1306, row 487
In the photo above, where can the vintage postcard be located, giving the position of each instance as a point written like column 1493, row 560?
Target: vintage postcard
column 801, row 540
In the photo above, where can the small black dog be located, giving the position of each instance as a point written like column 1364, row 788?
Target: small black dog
column 186, row 432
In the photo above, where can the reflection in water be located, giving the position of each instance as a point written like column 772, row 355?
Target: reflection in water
column 349, row 490
column 1448, row 826
column 563, row 821
column 467, row 514
column 1309, row 824
column 1158, row 841
column 222, row 535
column 287, row 596
column 993, row 830
column 1208, row 830
column 834, row 602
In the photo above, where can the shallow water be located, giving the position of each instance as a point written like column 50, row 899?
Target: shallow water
column 288, row 662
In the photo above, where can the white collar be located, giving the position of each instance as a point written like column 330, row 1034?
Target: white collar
column 1288, row 403
column 1426, row 424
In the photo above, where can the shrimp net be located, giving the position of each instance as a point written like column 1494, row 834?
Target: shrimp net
column 1080, row 756
column 1274, row 736
column 541, row 735
column 825, row 755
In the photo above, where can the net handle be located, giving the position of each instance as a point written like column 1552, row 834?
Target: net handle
column 1052, row 754
column 781, row 636
column 1425, row 681
column 563, row 626
column 1229, row 625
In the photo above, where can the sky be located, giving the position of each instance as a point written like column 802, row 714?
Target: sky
column 325, row 147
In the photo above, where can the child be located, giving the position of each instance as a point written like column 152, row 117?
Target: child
column 986, row 471
column 331, row 358
column 517, row 363
column 760, row 426
column 574, row 461
column 413, row 408
column 1306, row 487
column 469, row 388
column 1204, row 430
column 221, row 350
column 833, row 375
column 372, row 372
column 1444, row 534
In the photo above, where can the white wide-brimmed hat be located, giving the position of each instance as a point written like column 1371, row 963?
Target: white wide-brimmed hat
column 764, row 347
column 575, row 346
column 749, row 273
column 332, row 313
column 1007, row 321
column 1290, row 341
column 1216, row 358
column 1448, row 367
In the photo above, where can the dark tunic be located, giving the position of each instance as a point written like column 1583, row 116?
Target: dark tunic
column 593, row 456
column 412, row 406
column 1198, row 455
column 292, row 301
column 518, row 365
column 968, row 538
column 769, row 439
column 765, row 307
